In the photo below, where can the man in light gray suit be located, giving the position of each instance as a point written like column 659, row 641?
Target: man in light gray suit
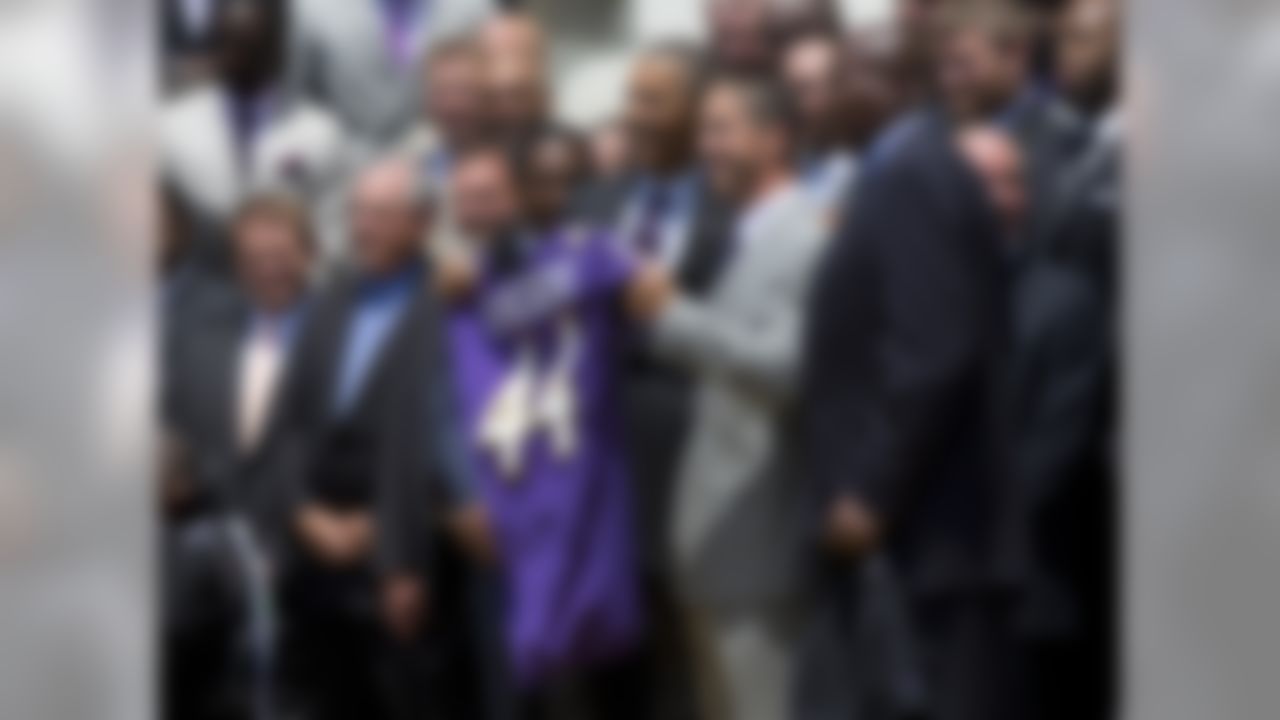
column 238, row 134
column 738, row 529
column 362, row 58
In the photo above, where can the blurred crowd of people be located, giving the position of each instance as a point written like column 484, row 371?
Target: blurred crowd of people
column 785, row 394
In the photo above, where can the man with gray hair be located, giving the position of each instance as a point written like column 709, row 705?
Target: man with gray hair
column 369, row 411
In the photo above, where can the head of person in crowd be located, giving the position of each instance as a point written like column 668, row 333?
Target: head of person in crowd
column 744, row 138
column 551, row 169
column 793, row 19
column 610, row 150
column 873, row 84
column 1088, row 53
column 249, row 42
column 741, row 36
column 274, row 247
column 810, row 70
column 390, row 212
column 996, row 160
column 662, row 108
column 518, row 98
column 485, row 195
column 915, row 25
column 514, row 36
column 455, row 91
column 984, row 58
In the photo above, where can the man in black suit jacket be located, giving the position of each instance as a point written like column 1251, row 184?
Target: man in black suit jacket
column 369, row 408
column 1051, row 550
column 900, row 398
column 225, row 370
column 1082, row 220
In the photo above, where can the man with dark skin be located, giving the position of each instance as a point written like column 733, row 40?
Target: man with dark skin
column 741, row 39
column 551, row 170
column 1081, row 219
column 810, row 70
column 873, row 84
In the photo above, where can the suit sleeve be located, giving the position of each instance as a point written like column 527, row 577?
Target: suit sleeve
column 761, row 353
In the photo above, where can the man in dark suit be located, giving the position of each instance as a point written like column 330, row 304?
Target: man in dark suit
column 900, row 399
column 1081, row 220
column 1053, row 534
column 665, row 211
column 369, row 409
column 224, row 375
column 984, row 73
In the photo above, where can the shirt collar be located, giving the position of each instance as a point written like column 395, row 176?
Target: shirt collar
column 754, row 216
column 285, row 322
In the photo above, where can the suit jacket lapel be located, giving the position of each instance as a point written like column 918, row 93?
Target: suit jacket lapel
column 709, row 244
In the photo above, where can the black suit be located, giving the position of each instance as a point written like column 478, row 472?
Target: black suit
column 1081, row 218
column 386, row 454
column 232, row 523
column 900, row 391
column 1057, row 529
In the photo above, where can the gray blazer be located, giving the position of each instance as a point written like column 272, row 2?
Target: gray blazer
column 340, row 57
column 738, row 530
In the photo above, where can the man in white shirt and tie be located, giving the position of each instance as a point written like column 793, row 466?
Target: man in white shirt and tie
column 224, row 377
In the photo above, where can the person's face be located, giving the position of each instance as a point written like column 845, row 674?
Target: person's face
column 976, row 74
column 387, row 224
column 554, row 176
column 249, row 42
column 740, row 34
column 485, row 200
column 916, row 20
column 731, row 144
column 1086, row 55
column 659, row 112
column 455, row 86
column 868, row 94
column 516, row 97
column 610, row 152
column 513, row 38
column 809, row 74
column 997, row 162
column 271, row 262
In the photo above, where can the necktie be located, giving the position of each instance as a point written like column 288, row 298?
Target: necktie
column 260, row 366
column 648, row 236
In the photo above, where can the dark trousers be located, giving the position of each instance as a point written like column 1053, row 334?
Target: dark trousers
column 616, row 691
column 333, row 648
column 339, row 662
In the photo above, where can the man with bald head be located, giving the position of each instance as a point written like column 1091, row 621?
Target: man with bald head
column 370, row 414
column 514, row 36
column 518, row 98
